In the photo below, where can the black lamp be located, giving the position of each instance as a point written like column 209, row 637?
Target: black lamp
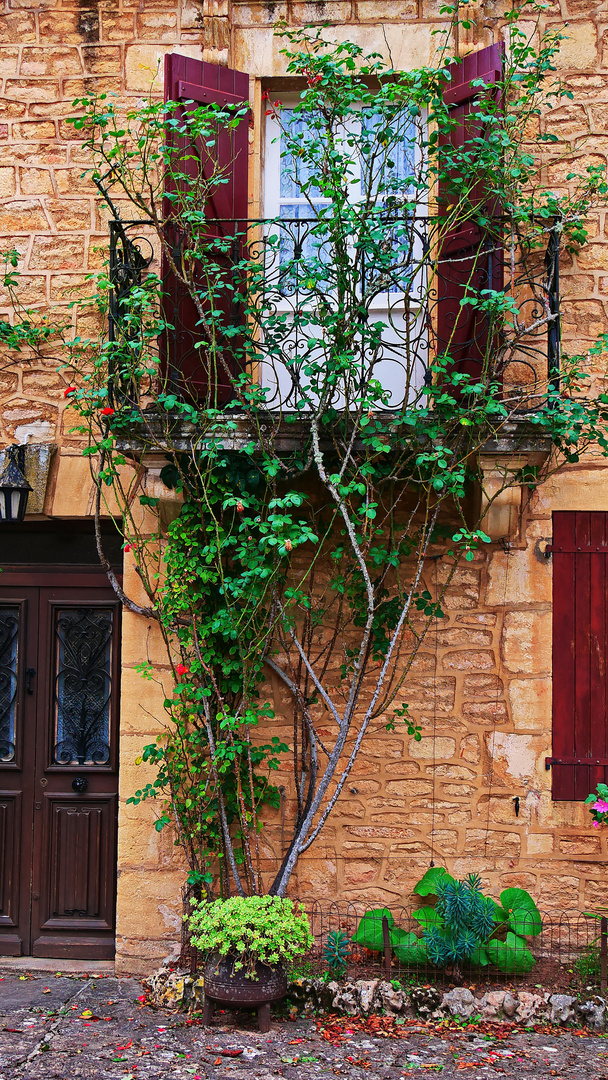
column 14, row 488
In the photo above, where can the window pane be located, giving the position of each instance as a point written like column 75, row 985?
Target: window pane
column 387, row 171
column 292, row 169
column 83, row 667
column 9, row 640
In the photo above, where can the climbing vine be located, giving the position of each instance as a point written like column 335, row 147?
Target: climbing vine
column 311, row 490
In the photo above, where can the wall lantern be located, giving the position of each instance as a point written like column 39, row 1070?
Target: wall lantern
column 14, row 488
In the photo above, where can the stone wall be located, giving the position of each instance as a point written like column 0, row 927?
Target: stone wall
column 484, row 698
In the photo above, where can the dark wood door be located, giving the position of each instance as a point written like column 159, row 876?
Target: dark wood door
column 59, row 678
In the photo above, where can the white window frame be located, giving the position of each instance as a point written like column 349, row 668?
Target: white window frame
column 384, row 306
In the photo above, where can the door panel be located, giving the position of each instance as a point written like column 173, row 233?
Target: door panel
column 62, row 790
column 18, row 644
column 10, row 821
column 77, row 897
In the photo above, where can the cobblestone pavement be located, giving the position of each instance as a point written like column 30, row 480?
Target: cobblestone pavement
column 54, row 1027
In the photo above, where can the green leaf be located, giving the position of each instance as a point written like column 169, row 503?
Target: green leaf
column 369, row 931
column 479, row 957
column 499, row 912
column 524, row 916
column 512, row 955
column 427, row 884
column 427, row 916
column 408, row 948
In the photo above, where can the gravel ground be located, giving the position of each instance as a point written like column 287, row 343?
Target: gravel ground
column 55, row 1027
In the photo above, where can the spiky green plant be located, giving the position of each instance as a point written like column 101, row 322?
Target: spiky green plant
column 467, row 921
column 336, row 953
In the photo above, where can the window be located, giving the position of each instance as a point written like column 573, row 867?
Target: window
column 391, row 294
column 420, row 315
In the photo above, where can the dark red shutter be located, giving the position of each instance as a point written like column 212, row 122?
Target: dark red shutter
column 191, row 370
column 469, row 260
column 580, row 652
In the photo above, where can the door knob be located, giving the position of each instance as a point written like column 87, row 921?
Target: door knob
column 30, row 674
column 80, row 783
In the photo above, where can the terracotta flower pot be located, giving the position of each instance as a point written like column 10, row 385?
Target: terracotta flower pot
column 224, row 985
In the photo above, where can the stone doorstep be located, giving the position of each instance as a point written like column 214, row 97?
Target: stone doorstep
column 33, row 964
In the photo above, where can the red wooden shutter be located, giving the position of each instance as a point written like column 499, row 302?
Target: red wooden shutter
column 195, row 80
column 580, row 652
column 468, row 257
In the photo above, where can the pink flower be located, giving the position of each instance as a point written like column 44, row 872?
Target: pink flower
column 181, row 669
column 595, row 824
column 601, row 806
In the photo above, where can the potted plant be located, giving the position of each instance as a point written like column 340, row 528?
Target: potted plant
column 246, row 941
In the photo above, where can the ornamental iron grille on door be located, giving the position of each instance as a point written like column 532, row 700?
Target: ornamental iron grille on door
column 83, row 681
column 59, row 670
column 9, row 635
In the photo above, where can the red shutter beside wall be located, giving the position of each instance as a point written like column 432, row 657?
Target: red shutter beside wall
column 580, row 653
column 462, row 333
column 195, row 80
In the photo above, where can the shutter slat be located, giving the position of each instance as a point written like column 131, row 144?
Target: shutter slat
column 582, row 641
column 563, row 654
column 580, row 651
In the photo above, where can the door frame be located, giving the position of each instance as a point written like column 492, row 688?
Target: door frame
column 41, row 578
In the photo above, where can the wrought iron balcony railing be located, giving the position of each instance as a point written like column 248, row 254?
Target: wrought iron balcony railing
column 268, row 288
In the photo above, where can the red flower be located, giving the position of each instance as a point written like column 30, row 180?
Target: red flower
column 127, row 547
column 181, row 669
column 69, row 390
column 107, row 411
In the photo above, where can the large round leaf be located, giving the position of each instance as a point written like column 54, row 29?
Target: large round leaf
column 408, row 948
column 369, row 931
column 524, row 916
column 499, row 913
column 427, row 886
column 427, row 916
column 479, row 957
column 512, row 955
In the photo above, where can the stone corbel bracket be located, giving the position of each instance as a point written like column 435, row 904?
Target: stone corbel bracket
column 170, row 502
column 502, row 462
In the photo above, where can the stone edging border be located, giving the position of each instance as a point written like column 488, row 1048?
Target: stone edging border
column 169, row 988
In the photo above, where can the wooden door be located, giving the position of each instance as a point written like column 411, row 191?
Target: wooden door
column 59, row 677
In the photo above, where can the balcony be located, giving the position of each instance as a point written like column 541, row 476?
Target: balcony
column 268, row 287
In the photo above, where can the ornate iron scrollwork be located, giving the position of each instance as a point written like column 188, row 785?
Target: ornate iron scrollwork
column 9, row 636
column 416, row 293
column 83, row 683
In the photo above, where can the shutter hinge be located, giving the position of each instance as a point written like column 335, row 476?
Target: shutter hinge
column 572, row 761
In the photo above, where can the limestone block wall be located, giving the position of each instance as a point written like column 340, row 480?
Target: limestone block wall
column 483, row 700
column 483, row 695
